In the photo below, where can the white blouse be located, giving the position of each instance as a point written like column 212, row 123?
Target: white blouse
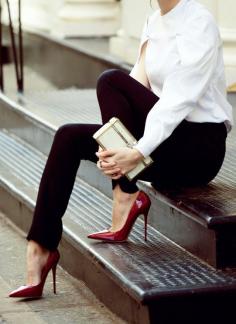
column 185, row 69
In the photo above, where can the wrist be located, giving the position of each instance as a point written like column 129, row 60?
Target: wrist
column 137, row 154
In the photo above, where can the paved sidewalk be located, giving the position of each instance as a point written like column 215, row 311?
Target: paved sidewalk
column 74, row 302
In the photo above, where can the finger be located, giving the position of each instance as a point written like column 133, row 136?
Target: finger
column 112, row 171
column 116, row 177
column 106, row 168
column 105, row 153
column 103, row 164
column 107, row 165
column 98, row 165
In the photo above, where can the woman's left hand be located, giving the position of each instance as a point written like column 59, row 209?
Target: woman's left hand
column 125, row 159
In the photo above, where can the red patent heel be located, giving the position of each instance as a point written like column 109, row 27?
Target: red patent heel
column 54, row 268
column 37, row 290
column 141, row 206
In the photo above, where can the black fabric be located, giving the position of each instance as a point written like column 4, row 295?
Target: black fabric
column 191, row 156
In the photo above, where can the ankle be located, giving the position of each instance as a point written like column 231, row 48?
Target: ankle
column 122, row 196
column 35, row 249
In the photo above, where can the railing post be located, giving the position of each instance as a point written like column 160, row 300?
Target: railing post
column 18, row 69
column 21, row 54
column 13, row 43
column 1, row 50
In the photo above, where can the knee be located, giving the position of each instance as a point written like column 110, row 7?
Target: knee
column 72, row 134
column 63, row 133
column 108, row 76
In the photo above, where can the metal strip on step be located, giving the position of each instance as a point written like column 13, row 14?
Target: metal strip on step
column 157, row 266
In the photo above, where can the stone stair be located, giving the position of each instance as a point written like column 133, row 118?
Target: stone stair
column 185, row 273
column 139, row 281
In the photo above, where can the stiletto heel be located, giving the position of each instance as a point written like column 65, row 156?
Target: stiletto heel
column 54, row 268
column 141, row 206
column 36, row 291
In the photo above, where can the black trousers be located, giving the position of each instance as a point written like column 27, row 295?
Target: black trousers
column 191, row 156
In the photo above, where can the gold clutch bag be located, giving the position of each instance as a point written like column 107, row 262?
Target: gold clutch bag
column 114, row 135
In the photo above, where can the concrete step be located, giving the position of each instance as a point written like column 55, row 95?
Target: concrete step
column 32, row 80
column 202, row 220
column 66, row 62
column 73, row 303
column 143, row 279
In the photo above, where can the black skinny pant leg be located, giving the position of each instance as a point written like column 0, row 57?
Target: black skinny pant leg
column 119, row 95
column 72, row 143
column 122, row 96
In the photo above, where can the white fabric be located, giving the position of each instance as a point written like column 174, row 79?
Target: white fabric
column 185, row 68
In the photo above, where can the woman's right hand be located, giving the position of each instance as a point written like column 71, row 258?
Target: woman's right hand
column 108, row 167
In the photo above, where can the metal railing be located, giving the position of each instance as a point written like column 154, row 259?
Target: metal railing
column 17, row 53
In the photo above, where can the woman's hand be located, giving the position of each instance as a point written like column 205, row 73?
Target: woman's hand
column 117, row 162
column 107, row 167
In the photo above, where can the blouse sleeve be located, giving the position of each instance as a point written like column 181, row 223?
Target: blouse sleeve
column 198, row 46
column 144, row 37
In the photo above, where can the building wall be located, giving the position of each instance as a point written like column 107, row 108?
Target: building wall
column 121, row 20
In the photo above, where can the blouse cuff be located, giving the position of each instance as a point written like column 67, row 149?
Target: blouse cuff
column 142, row 148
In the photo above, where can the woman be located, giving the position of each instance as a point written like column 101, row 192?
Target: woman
column 173, row 101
